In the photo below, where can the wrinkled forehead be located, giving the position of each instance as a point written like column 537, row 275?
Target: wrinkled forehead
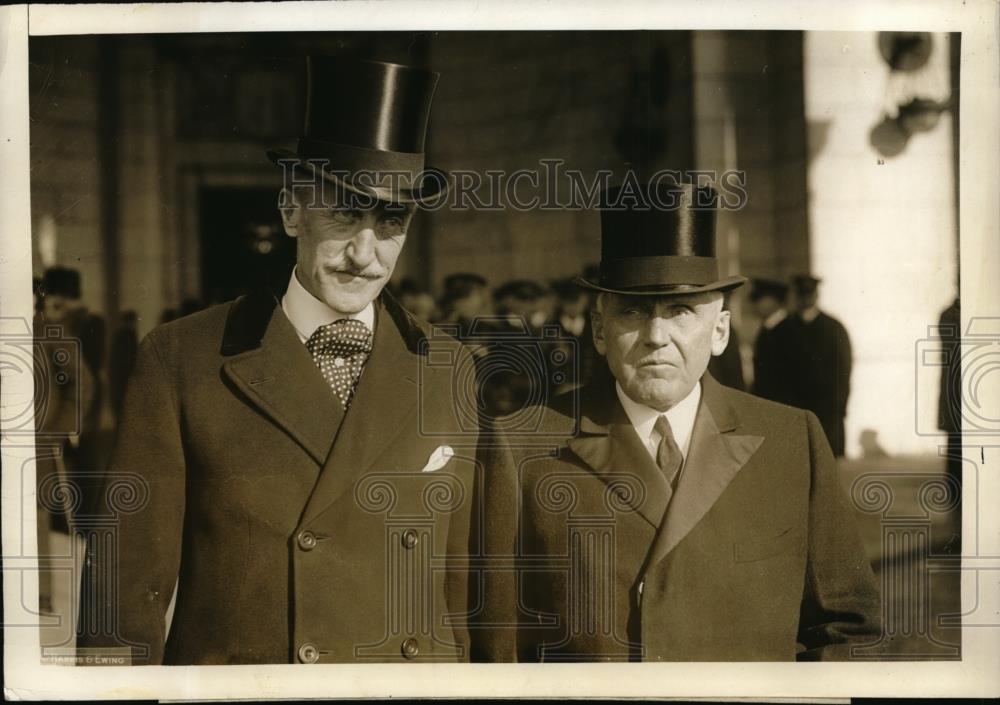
column 651, row 301
column 321, row 194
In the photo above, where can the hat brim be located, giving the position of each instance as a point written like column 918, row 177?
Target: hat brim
column 723, row 285
column 431, row 193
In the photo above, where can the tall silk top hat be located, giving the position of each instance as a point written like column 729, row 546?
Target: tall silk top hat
column 659, row 239
column 366, row 122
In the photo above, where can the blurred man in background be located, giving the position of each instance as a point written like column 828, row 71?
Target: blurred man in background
column 465, row 299
column 417, row 300
column 521, row 305
column 124, row 349
column 573, row 308
column 770, row 349
column 509, row 381
column 819, row 364
column 85, row 455
column 574, row 325
column 62, row 304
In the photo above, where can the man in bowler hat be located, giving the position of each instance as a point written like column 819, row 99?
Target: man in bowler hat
column 680, row 520
column 819, row 361
column 292, row 457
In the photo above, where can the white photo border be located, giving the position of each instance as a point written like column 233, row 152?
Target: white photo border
column 975, row 675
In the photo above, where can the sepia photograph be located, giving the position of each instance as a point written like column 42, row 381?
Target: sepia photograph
column 479, row 344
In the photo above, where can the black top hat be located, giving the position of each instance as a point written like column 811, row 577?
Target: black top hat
column 659, row 239
column 61, row 281
column 759, row 288
column 371, row 117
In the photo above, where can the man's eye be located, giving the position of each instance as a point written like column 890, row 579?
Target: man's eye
column 343, row 215
column 392, row 225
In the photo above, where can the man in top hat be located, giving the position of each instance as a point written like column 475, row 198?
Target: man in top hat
column 770, row 349
column 291, row 460
column 658, row 515
column 818, row 369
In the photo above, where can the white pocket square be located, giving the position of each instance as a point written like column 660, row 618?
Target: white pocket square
column 439, row 458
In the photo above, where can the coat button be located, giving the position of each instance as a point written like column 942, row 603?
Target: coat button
column 410, row 648
column 410, row 538
column 308, row 653
column 307, row 540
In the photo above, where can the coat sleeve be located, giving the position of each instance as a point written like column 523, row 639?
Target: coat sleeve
column 841, row 602
column 134, row 557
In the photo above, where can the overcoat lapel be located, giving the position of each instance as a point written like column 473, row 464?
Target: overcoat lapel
column 611, row 448
column 268, row 363
column 715, row 455
column 384, row 400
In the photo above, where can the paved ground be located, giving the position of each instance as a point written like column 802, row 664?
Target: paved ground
column 911, row 529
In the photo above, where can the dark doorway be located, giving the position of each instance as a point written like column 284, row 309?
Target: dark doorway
column 243, row 245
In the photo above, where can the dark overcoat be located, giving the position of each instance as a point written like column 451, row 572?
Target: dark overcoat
column 293, row 531
column 772, row 364
column 756, row 558
column 818, row 372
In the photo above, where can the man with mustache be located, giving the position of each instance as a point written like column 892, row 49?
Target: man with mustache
column 291, row 459
column 678, row 520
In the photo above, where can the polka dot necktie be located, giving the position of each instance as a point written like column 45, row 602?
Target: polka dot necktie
column 340, row 350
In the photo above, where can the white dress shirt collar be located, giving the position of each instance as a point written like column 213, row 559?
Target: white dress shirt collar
column 775, row 318
column 307, row 313
column 681, row 417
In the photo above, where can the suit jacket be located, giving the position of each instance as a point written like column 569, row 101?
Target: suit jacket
column 756, row 559
column 294, row 532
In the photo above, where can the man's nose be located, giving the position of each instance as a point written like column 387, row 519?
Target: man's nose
column 361, row 248
column 658, row 332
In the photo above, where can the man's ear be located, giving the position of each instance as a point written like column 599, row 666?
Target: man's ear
column 289, row 210
column 597, row 329
column 720, row 333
